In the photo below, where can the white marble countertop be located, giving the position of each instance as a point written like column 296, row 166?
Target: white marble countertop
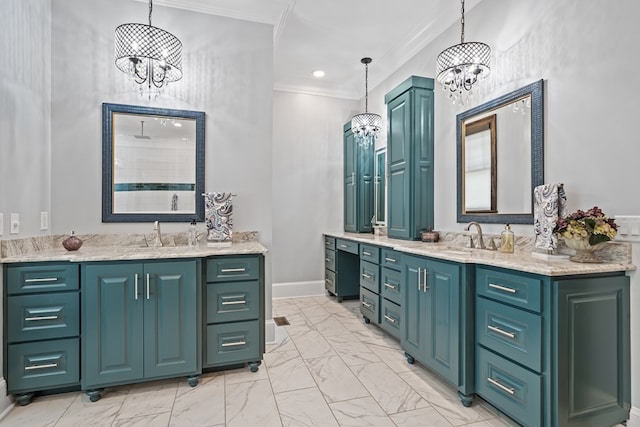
column 616, row 258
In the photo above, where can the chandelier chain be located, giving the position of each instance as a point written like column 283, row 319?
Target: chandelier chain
column 461, row 22
column 366, row 88
column 150, row 10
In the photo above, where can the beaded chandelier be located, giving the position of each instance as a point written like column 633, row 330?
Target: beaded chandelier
column 366, row 126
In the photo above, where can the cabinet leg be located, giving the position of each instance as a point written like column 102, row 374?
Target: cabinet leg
column 339, row 299
column 23, row 399
column 95, row 395
column 466, row 399
column 253, row 366
column 193, row 380
column 366, row 320
column 410, row 359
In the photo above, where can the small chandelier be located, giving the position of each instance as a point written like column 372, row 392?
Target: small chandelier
column 149, row 55
column 366, row 126
column 463, row 65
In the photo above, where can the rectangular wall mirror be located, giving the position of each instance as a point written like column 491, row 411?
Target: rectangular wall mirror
column 152, row 164
column 500, row 157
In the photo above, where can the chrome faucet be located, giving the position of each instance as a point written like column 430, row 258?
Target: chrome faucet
column 479, row 231
column 158, row 241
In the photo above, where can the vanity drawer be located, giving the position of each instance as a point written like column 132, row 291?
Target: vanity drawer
column 43, row 364
column 517, row 289
column 390, row 317
column 347, row 246
column 233, row 343
column 514, row 333
column 45, row 277
column 390, row 259
column 369, row 305
column 229, row 268
column 370, row 253
column 329, row 242
column 512, row 388
column 369, row 277
column 43, row 316
column 330, row 260
column 233, row 301
column 330, row 281
column 391, row 285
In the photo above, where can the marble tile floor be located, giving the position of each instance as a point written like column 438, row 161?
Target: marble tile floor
column 329, row 368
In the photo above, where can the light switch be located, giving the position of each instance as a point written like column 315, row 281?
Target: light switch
column 44, row 220
column 15, row 224
column 628, row 228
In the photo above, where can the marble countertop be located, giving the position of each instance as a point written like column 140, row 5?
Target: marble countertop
column 616, row 256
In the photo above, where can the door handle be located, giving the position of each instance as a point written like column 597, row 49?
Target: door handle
column 419, row 279
column 135, row 288
column 148, row 285
column 425, row 277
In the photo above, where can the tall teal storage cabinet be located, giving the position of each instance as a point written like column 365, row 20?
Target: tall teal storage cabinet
column 140, row 321
column 358, row 184
column 410, row 158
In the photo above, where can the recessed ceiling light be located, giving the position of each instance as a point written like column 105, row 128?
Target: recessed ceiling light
column 318, row 73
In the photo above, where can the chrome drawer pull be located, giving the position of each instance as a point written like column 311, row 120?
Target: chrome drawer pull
column 148, row 278
column 233, row 270
column 502, row 288
column 506, row 389
column 45, row 279
column 365, row 253
column 41, row 318
column 366, row 276
column 390, row 259
column 327, row 259
column 234, row 302
column 344, row 246
column 501, row 332
column 234, row 344
column 48, row 365
column 394, row 287
column 391, row 319
column 366, row 304
column 135, row 290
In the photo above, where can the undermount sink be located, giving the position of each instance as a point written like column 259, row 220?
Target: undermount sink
column 452, row 250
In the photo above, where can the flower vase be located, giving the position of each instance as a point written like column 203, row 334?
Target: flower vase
column 584, row 250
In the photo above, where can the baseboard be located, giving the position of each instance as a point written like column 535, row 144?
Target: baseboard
column 6, row 404
column 634, row 417
column 297, row 289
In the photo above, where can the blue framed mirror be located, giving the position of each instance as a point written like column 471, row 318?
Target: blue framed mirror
column 152, row 164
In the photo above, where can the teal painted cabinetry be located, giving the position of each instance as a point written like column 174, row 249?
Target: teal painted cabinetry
column 358, row 184
column 342, row 268
column 410, row 158
column 553, row 351
column 140, row 321
column 234, row 311
column 437, row 312
column 42, row 328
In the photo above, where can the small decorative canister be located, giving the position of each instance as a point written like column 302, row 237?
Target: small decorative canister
column 429, row 235
column 72, row 243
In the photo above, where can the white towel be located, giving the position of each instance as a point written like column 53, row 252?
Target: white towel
column 550, row 204
column 218, row 216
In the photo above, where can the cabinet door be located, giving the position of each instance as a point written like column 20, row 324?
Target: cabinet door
column 112, row 327
column 350, row 180
column 442, row 310
column 416, row 317
column 398, row 152
column 170, row 320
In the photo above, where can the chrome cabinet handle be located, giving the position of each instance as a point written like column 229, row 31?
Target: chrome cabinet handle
column 233, row 344
column 44, row 279
column 366, row 304
column 419, row 279
column 41, row 318
column 390, row 259
column 365, row 253
column 45, row 366
column 147, row 285
column 234, row 302
column 233, row 270
column 353, row 178
column 502, row 288
column 391, row 319
column 327, row 259
column 327, row 281
column 504, row 388
column 135, row 288
column 343, row 246
column 366, row 276
column 424, row 275
column 501, row 331
column 394, row 287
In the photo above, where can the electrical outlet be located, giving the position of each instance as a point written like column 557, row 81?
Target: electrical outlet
column 44, row 220
column 1, row 224
column 15, row 224
column 628, row 228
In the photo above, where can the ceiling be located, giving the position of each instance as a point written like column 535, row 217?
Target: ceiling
column 333, row 35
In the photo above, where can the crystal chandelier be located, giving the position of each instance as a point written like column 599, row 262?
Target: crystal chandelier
column 461, row 66
column 366, row 126
column 151, row 56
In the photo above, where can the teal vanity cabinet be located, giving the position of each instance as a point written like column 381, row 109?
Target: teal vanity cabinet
column 42, row 328
column 553, row 351
column 410, row 158
column 370, row 283
column 140, row 321
column 234, row 311
column 358, row 184
column 330, row 264
column 391, row 292
column 438, row 315
column 347, row 270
